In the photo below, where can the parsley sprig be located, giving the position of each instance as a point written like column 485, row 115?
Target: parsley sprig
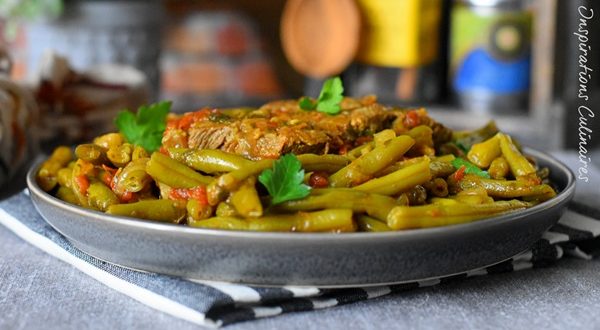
column 470, row 168
column 147, row 127
column 284, row 181
column 329, row 99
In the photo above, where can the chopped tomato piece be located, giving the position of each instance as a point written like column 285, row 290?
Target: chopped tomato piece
column 109, row 169
column 108, row 176
column 127, row 197
column 412, row 119
column 198, row 193
column 163, row 150
column 191, row 117
column 87, row 168
column 460, row 173
column 83, row 183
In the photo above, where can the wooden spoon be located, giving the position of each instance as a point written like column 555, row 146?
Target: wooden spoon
column 320, row 37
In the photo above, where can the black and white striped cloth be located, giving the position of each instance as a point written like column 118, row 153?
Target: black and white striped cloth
column 218, row 304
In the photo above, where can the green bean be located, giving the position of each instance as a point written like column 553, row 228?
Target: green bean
column 436, row 187
column 417, row 195
column 440, row 169
column 208, row 160
column 360, row 150
column 366, row 223
column 326, row 220
column 499, row 168
column 401, row 180
column 519, row 165
column 91, row 153
column 158, row 209
column 100, row 197
column 543, row 173
column 381, row 137
column 433, row 215
column 66, row 194
column 138, row 153
column 508, row 188
column 444, row 159
column 64, row 176
column 120, row 155
column 401, row 164
column 225, row 209
column 483, row 153
column 245, row 200
column 422, row 134
column 83, row 172
column 220, row 188
column 164, row 191
column 197, row 211
column 173, row 173
column 233, row 179
column 475, row 195
column 325, row 163
column 47, row 175
column 366, row 166
column 375, row 205
column 109, row 140
column 133, row 177
column 443, row 201
column 469, row 138
column 306, row 179
column 402, row 199
column 226, row 223
column 325, row 191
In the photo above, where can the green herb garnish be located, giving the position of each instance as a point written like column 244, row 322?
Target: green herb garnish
column 470, row 168
column 329, row 99
column 146, row 128
column 285, row 181
column 306, row 103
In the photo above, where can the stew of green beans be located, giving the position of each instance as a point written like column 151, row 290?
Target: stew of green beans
column 391, row 181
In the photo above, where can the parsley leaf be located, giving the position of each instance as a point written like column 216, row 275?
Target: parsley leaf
column 331, row 96
column 470, row 168
column 329, row 99
column 285, row 181
column 146, row 128
column 306, row 103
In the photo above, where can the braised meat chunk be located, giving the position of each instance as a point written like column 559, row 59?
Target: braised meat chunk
column 282, row 127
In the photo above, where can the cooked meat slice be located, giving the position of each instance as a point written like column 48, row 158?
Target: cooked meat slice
column 281, row 127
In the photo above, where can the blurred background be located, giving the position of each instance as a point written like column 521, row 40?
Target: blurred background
column 465, row 60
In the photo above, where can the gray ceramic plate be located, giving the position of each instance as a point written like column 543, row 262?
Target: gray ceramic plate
column 319, row 259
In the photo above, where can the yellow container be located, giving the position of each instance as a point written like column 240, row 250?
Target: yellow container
column 400, row 33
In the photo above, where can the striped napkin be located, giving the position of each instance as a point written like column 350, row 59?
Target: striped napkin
column 216, row 304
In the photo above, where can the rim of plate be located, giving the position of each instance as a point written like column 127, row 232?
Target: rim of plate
column 563, row 195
